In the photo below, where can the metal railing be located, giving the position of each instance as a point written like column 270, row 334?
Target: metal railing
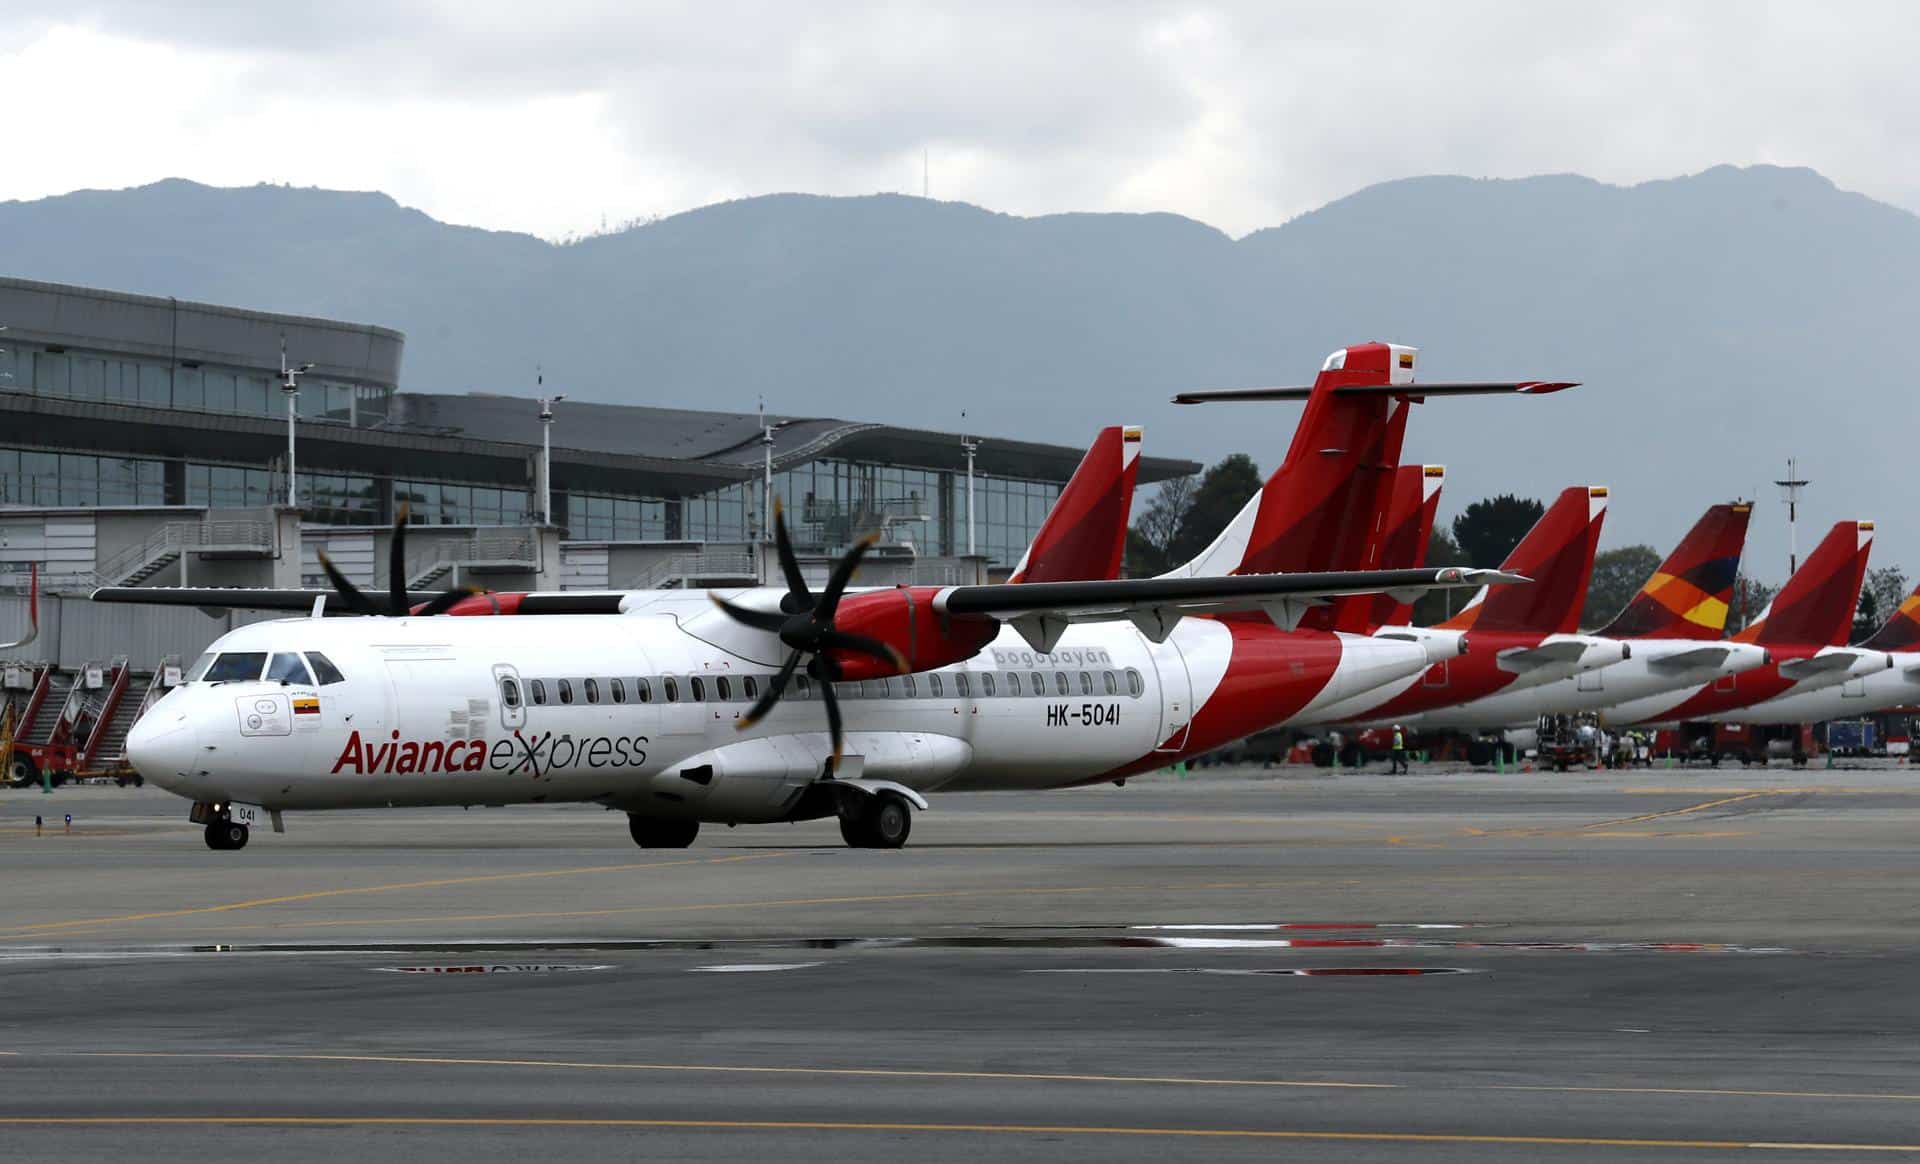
column 504, row 547
column 719, row 563
column 174, row 538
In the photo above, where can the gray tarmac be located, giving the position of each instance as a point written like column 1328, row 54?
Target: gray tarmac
column 1660, row 964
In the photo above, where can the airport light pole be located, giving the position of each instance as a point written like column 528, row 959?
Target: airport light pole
column 971, row 446
column 1790, row 493
column 546, row 453
column 290, row 388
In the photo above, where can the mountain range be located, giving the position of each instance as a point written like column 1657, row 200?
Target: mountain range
column 1719, row 322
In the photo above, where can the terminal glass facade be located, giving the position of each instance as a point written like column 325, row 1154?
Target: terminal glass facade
column 187, row 385
column 35, row 477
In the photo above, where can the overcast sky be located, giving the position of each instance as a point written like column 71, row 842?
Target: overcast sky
column 544, row 117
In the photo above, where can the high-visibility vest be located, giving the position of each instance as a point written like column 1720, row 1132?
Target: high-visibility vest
column 1399, row 743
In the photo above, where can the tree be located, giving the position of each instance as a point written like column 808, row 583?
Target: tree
column 1749, row 599
column 1222, row 491
column 1438, row 605
column 1489, row 529
column 1150, row 541
column 1617, row 576
column 1888, row 585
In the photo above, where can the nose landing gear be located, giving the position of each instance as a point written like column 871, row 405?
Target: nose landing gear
column 225, row 835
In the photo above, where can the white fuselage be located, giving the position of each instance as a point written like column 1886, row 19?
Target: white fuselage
column 1640, row 676
column 640, row 711
column 1857, row 695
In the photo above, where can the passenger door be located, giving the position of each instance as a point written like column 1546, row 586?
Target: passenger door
column 512, row 695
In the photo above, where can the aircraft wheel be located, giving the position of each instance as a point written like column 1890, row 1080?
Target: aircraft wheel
column 225, row 836
column 24, row 774
column 853, row 830
column 655, row 833
column 890, row 821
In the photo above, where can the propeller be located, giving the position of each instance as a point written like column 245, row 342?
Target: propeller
column 397, row 601
column 804, row 623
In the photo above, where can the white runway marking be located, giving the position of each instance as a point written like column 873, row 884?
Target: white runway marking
column 751, row 967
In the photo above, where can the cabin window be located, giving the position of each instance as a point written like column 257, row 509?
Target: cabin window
column 670, row 687
column 287, row 667
column 723, row 689
column 1039, row 682
column 749, row 688
column 539, row 689
column 803, row 687
column 1112, row 685
column 509, row 691
column 566, row 690
column 986, row 683
column 1136, row 686
column 908, row 687
column 591, row 687
column 234, row 666
column 960, row 684
column 643, row 690
column 697, row 689
column 324, row 669
column 617, row 688
column 1086, row 683
column 933, row 685
column 873, row 689
column 1060, row 683
column 1013, row 683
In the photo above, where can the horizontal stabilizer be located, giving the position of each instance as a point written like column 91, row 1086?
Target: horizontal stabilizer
column 1689, row 660
column 1827, row 664
column 1410, row 391
column 1521, row 659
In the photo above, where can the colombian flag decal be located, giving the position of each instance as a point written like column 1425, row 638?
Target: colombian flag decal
column 306, row 705
column 1406, row 359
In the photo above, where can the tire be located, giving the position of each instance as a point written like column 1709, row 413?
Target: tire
column 853, row 830
column 1322, row 755
column 890, row 821
column 24, row 774
column 656, row 833
column 224, row 836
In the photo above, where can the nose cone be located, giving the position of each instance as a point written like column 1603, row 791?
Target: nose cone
column 164, row 747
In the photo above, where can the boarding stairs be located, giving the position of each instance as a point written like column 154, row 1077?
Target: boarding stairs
column 45, row 718
column 106, row 716
column 173, row 540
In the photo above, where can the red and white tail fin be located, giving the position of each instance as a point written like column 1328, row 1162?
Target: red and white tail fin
column 1410, row 516
column 33, row 608
column 1325, row 507
column 1085, row 533
column 1557, row 554
column 1817, row 605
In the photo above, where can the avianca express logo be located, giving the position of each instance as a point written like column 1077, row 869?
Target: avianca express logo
column 532, row 754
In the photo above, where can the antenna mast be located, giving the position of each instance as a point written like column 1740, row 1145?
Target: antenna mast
column 1790, row 493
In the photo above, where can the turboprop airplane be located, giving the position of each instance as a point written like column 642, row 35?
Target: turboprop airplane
column 684, row 707
column 1897, row 686
column 1522, row 636
column 1672, row 627
column 1804, row 630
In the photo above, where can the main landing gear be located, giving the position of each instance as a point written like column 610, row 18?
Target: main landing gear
column 656, row 833
column 225, row 835
column 880, row 821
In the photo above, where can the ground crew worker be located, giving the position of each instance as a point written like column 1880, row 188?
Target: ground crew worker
column 1399, row 751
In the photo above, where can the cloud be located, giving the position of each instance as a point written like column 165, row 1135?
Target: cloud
column 543, row 117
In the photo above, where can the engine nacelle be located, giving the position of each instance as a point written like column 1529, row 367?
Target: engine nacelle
column 905, row 619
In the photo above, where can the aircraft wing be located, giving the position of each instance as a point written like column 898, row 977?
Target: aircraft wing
column 1041, row 611
column 1522, row 659
column 215, row 599
column 1690, row 660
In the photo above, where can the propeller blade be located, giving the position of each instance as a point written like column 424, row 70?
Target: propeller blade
column 763, row 620
column 349, row 593
column 833, row 726
column 397, row 563
column 770, row 696
column 842, row 574
column 446, row 600
column 789, row 565
column 839, row 640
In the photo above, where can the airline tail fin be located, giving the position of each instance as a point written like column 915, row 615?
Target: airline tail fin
column 1325, row 507
column 1688, row 596
column 1410, row 514
column 1085, row 533
column 1557, row 554
column 1817, row 604
column 1902, row 632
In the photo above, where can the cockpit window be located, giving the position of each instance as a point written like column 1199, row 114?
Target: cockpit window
column 236, row 665
column 199, row 669
column 287, row 667
column 324, row 669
